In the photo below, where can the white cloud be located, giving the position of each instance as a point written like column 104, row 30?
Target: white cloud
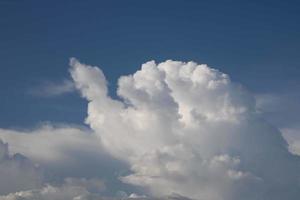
column 188, row 129
column 17, row 172
column 49, row 89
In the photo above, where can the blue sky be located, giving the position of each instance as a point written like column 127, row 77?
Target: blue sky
column 211, row 128
column 256, row 42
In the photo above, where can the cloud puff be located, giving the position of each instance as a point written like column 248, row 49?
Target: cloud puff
column 49, row 89
column 17, row 172
column 188, row 129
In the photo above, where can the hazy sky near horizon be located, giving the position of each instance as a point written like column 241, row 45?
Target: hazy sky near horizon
column 99, row 98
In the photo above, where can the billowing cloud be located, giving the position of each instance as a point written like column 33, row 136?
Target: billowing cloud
column 17, row 172
column 186, row 128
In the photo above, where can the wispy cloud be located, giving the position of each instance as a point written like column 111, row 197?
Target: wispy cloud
column 281, row 109
column 51, row 89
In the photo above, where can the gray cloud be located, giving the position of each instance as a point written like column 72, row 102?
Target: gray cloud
column 71, row 189
column 68, row 151
column 17, row 172
column 282, row 109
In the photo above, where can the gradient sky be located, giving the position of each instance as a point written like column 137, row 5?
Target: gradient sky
column 42, row 115
column 256, row 42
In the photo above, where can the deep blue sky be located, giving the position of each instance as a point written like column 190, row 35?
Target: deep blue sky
column 256, row 42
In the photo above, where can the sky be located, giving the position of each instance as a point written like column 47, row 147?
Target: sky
column 146, row 108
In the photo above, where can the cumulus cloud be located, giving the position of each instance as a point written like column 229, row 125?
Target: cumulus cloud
column 17, row 172
column 187, row 129
column 49, row 89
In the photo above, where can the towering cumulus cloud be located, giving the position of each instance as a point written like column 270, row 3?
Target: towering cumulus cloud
column 187, row 129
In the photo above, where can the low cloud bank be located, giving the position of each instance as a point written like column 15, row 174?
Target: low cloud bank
column 17, row 172
column 71, row 189
column 64, row 151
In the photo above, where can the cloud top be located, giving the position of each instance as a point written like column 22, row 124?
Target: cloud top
column 186, row 128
